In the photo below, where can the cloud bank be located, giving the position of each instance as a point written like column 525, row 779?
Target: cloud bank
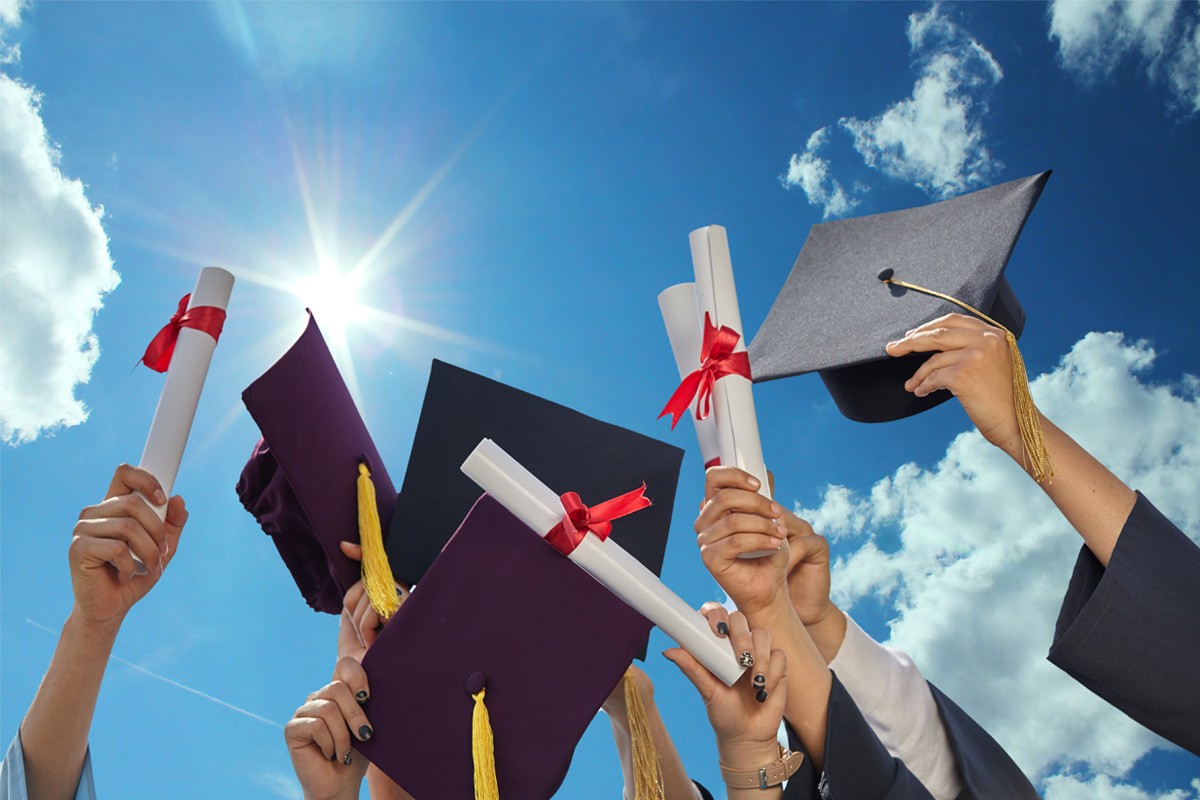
column 973, row 560
column 55, row 269
column 933, row 139
column 1094, row 38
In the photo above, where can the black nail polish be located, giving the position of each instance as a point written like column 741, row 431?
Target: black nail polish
column 348, row 759
column 365, row 732
column 333, row 757
column 361, row 697
column 760, row 680
column 761, row 696
column 722, row 629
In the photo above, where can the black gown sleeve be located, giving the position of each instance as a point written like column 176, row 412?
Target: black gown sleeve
column 1131, row 633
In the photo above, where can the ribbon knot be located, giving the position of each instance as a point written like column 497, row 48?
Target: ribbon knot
column 717, row 360
column 579, row 519
column 208, row 319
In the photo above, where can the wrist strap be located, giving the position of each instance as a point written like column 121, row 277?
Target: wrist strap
column 764, row 777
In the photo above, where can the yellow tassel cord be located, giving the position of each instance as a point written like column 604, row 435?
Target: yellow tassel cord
column 1034, row 454
column 647, row 777
column 483, row 751
column 376, row 571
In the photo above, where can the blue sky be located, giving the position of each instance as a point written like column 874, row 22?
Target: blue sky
column 511, row 186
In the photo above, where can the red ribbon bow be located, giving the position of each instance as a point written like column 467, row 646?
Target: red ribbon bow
column 717, row 360
column 579, row 519
column 208, row 319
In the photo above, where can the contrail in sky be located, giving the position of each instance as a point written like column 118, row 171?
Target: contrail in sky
column 176, row 684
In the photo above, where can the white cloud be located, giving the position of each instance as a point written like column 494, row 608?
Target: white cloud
column 54, row 270
column 1101, row 787
column 1094, row 38
column 810, row 172
column 983, row 559
column 934, row 139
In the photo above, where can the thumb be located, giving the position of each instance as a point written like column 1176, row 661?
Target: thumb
column 351, row 550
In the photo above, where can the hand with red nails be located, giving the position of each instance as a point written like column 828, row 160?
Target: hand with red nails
column 745, row 716
column 734, row 519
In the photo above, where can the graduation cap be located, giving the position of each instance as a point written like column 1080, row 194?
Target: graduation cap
column 858, row 284
column 315, row 478
column 569, row 450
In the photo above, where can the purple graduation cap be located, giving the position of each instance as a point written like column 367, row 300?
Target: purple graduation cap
column 834, row 314
column 302, row 479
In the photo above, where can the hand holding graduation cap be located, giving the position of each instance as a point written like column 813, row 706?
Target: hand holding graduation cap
column 970, row 361
column 319, row 738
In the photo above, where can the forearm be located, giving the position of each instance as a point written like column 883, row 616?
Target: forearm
column 808, row 678
column 1095, row 501
column 676, row 783
column 54, row 732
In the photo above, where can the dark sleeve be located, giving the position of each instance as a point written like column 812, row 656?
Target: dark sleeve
column 1131, row 633
column 704, row 793
column 857, row 765
column 985, row 769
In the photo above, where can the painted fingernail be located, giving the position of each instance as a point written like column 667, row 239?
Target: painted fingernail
column 365, row 732
column 722, row 629
column 761, row 696
column 746, row 659
column 159, row 497
column 349, row 758
column 361, row 696
column 333, row 757
column 760, row 680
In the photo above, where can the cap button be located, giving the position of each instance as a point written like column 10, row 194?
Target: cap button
column 886, row 274
column 475, row 683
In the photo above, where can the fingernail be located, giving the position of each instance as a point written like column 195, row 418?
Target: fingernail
column 349, row 758
column 159, row 497
column 760, row 680
column 361, row 696
column 333, row 757
column 776, row 510
column 761, row 696
column 722, row 629
column 776, row 543
column 909, row 331
column 165, row 548
column 889, row 344
column 779, row 526
column 365, row 732
column 754, row 482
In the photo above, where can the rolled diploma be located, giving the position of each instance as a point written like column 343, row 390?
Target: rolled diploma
column 733, row 397
column 685, row 332
column 536, row 505
column 181, row 391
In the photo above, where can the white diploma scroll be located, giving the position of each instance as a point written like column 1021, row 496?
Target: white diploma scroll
column 733, row 398
column 536, row 505
column 181, row 391
column 686, row 332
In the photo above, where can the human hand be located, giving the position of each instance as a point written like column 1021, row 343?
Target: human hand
column 971, row 361
column 614, row 706
column 103, row 572
column 319, row 738
column 734, row 519
column 745, row 716
column 360, row 623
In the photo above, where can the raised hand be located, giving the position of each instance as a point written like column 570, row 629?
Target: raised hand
column 320, row 736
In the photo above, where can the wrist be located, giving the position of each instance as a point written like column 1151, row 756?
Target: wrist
column 80, row 628
column 776, row 613
column 828, row 631
column 744, row 754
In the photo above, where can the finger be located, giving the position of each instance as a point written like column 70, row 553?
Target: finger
column 776, row 671
column 936, row 381
column 177, row 517
column 127, row 479
column 760, row 640
column 704, row 681
column 366, row 621
column 734, row 524
column 349, row 708
column 812, row 548
column 717, row 478
column 934, row 339
column 717, row 616
column 329, row 712
column 133, row 507
column 731, row 501
column 351, row 550
column 739, row 637
column 936, row 361
column 952, row 320
column 87, row 552
column 306, row 731
column 127, row 530
column 739, row 546
column 351, row 673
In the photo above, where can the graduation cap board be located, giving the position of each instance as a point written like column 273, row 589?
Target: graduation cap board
column 305, row 482
column 834, row 314
column 570, row 450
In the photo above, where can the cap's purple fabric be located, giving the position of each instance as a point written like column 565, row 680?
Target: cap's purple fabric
column 300, row 481
column 550, row 642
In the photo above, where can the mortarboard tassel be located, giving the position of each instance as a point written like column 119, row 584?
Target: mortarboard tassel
column 647, row 776
column 1034, row 454
column 376, row 571
column 483, row 750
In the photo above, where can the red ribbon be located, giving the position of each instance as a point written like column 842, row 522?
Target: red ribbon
column 712, row 462
column 717, row 360
column 208, row 319
column 579, row 519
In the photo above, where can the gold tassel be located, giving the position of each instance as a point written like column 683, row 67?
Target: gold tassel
column 1034, row 455
column 647, row 776
column 483, row 751
column 376, row 571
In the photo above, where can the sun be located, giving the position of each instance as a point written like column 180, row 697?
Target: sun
column 333, row 296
